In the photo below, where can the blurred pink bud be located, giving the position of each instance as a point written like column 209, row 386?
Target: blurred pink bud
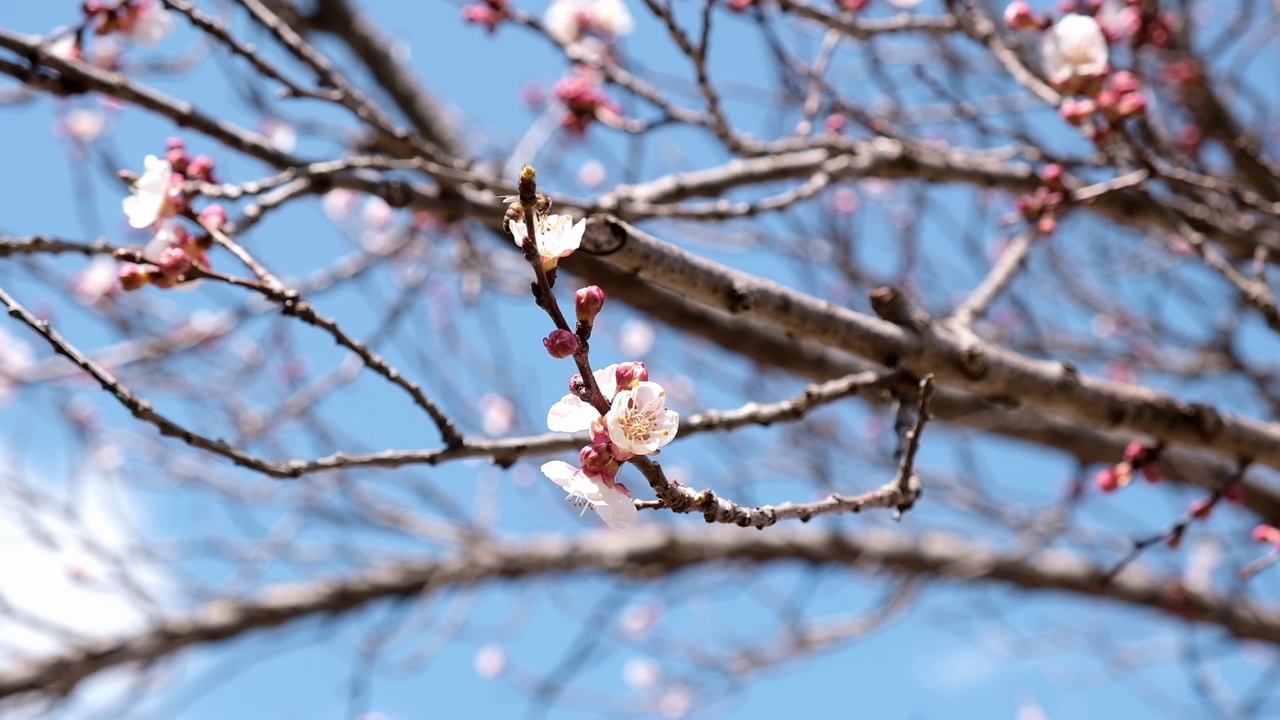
column 1052, row 175
column 1018, row 16
column 201, row 168
column 1077, row 112
column 174, row 260
column 133, row 277
column 1107, row 480
column 1202, row 508
column 213, row 217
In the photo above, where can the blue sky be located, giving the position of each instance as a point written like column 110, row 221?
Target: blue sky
column 961, row 652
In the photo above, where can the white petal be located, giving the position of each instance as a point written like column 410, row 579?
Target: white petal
column 607, row 381
column 570, row 415
column 559, row 472
column 617, row 510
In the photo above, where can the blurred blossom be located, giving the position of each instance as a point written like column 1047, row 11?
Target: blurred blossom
column 81, row 567
column 338, row 204
column 637, row 620
column 641, row 673
column 904, row 4
column 675, row 702
column 147, row 23
column 83, row 124
column 592, row 174
column 377, row 212
column 96, row 282
column 1103, row 325
column 379, row 242
column 107, row 456
column 636, row 338
column 1074, row 47
column 64, row 47
column 280, row 134
column 568, row 20
column 845, row 201
column 497, row 414
column 490, row 661
column 1205, row 559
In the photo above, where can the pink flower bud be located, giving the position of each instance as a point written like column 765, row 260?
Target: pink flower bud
column 1052, row 175
column 587, row 303
column 1077, row 112
column 1201, row 508
column 1046, row 225
column 1135, row 451
column 630, row 374
column 835, row 123
column 174, row 260
column 1266, row 533
column 1018, row 16
column 213, row 217
column 1124, row 82
column 132, row 277
column 560, row 343
column 1131, row 104
column 201, row 168
column 1107, row 480
column 177, row 156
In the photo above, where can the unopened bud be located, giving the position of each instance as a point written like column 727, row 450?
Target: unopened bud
column 132, row 277
column 1018, row 16
column 587, row 303
column 213, row 217
column 560, row 343
column 201, row 168
column 630, row 374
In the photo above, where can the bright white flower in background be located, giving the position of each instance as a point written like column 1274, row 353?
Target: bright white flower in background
column 497, row 414
column 636, row 337
column 1074, row 47
column 151, row 23
column 150, row 193
column 97, row 281
column 571, row 414
column 611, row 504
column 338, row 204
column 567, row 20
column 83, row 124
column 639, row 420
column 642, row 673
column 558, row 236
column 490, row 661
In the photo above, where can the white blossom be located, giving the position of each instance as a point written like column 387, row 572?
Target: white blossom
column 571, row 414
column 611, row 504
column 151, row 24
column 558, row 235
column 639, row 420
column 567, row 20
column 150, row 193
column 1074, row 47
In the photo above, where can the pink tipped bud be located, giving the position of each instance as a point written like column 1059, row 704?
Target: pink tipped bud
column 560, row 343
column 1107, row 480
column 1131, row 104
column 1046, row 225
column 1267, row 534
column 132, row 277
column 1077, row 112
column 1202, row 508
column 213, row 217
column 1018, row 16
column 177, row 156
column 174, row 260
column 1124, row 82
column 587, row 303
column 630, row 374
column 1052, row 175
column 1135, row 451
column 835, row 123
column 201, row 168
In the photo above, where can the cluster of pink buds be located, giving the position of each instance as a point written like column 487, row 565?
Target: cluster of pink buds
column 159, row 196
column 584, row 102
column 1138, row 458
column 145, row 22
column 1042, row 206
column 489, row 13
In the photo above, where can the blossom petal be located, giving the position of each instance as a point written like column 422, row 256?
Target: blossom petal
column 570, row 414
column 559, row 472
